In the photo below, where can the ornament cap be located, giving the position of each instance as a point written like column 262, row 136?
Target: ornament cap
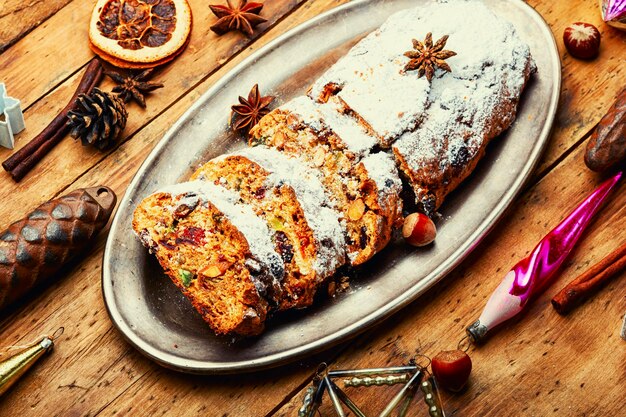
column 12, row 368
column 477, row 331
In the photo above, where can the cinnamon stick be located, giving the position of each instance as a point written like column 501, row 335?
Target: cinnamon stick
column 38, row 147
column 31, row 160
column 582, row 287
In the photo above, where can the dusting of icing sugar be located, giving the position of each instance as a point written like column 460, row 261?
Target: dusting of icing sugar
column 391, row 101
column 372, row 82
column 316, row 206
column 488, row 71
column 308, row 111
column 328, row 116
column 253, row 228
column 381, row 168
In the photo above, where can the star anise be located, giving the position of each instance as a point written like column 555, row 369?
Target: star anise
column 427, row 56
column 244, row 17
column 133, row 86
column 251, row 110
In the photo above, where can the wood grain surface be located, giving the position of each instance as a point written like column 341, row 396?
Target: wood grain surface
column 540, row 365
column 18, row 17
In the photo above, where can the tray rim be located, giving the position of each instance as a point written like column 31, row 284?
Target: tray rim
column 173, row 362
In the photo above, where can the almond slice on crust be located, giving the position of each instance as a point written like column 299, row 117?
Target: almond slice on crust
column 139, row 32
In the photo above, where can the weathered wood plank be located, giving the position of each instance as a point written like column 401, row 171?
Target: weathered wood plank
column 94, row 371
column 18, row 17
column 62, row 52
column 51, row 53
column 542, row 364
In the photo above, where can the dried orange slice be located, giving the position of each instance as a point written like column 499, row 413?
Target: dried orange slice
column 139, row 33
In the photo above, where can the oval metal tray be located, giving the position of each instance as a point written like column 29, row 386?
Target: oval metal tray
column 156, row 318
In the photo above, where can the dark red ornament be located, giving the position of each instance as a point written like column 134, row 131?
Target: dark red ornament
column 452, row 369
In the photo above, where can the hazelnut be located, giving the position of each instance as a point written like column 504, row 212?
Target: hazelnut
column 279, row 140
column 452, row 369
column 418, row 229
column 582, row 40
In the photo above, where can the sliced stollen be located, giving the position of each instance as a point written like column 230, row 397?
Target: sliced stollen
column 279, row 207
column 321, row 181
column 334, row 144
column 327, row 121
column 216, row 250
column 439, row 129
column 468, row 106
column 379, row 172
column 370, row 82
column 293, row 202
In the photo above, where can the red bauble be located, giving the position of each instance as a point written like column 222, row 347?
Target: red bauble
column 452, row 369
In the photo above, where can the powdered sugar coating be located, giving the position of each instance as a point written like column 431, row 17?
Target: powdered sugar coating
column 253, row 228
column 316, row 206
column 381, row 168
column 372, row 81
column 327, row 116
column 487, row 78
column 392, row 102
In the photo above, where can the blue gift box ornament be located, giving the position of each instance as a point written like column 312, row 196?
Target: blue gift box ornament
column 11, row 118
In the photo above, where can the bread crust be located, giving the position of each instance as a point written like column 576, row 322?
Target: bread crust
column 432, row 179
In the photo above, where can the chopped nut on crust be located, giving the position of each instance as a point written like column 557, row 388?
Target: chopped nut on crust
column 356, row 209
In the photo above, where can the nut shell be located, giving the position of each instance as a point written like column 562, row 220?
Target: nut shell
column 419, row 229
column 582, row 40
column 452, row 369
column 606, row 148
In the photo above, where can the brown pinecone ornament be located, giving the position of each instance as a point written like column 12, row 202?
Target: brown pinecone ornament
column 33, row 249
column 99, row 119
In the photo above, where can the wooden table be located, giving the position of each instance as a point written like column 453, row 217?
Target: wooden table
column 542, row 365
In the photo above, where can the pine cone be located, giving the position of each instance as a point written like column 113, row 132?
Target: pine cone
column 98, row 120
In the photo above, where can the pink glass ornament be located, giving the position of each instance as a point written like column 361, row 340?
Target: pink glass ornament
column 614, row 12
column 532, row 275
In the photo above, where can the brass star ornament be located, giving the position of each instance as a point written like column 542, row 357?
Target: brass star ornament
column 425, row 57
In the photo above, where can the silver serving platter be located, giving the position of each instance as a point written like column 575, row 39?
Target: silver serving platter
column 157, row 319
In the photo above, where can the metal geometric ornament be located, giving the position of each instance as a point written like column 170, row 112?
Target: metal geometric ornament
column 413, row 377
